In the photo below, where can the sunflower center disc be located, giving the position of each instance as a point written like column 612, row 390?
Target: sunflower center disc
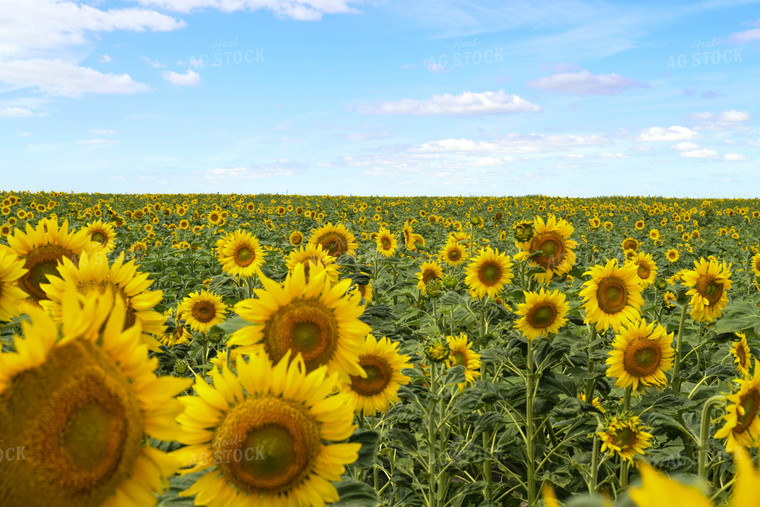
column 429, row 276
column 334, row 245
column 458, row 359
column 306, row 336
column 386, row 243
column 712, row 291
column 204, row 311
column 643, row 271
column 543, row 316
column 98, row 237
column 454, row 255
column 611, row 295
column 244, row 256
column 490, row 274
column 547, row 249
column 642, row 358
column 378, row 376
column 41, row 263
column 750, row 402
column 625, row 438
column 742, row 356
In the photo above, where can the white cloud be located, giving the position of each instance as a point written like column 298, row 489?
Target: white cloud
column 612, row 155
column 102, row 132
column 15, row 112
column 153, row 63
column 585, row 83
column 105, row 59
column 674, row 133
column 58, row 77
column 699, row 154
column 434, row 67
column 465, row 103
column 511, row 143
column 734, row 157
column 726, row 120
column 302, row 10
column 734, row 116
column 744, row 37
column 686, row 146
column 190, row 78
column 24, row 134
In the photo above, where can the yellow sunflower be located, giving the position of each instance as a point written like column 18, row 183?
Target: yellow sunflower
column 123, row 279
column 313, row 255
column 41, row 248
column 296, row 238
column 83, row 409
column 202, row 310
column 646, row 268
column 382, row 363
column 241, row 254
column 625, row 436
column 672, row 255
column 549, row 248
column 612, row 296
column 596, row 403
column 386, row 242
column 756, row 265
column 102, row 234
column 742, row 356
column 742, row 427
column 542, row 314
column 630, row 244
column 314, row 319
column 489, row 272
column 365, row 291
column 428, row 272
column 641, row 354
column 335, row 240
column 461, row 354
column 453, row 253
column 657, row 489
column 709, row 282
column 266, row 434
column 11, row 270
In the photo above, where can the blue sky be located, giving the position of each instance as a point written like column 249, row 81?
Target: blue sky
column 435, row 97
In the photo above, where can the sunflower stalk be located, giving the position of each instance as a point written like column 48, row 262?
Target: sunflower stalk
column 677, row 361
column 704, row 433
column 591, row 382
column 529, row 449
column 624, row 463
column 432, row 443
column 594, row 465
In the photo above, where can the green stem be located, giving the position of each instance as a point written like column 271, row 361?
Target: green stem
column 590, row 383
column 624, row 464
column 432, row 458
column 531, row 463
column 704, row 433
column 677, row 360
column 487, row 470
column 594, row 465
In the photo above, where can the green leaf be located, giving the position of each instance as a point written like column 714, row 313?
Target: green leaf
column 355, row 494
column 229, row 326
column 368, row 439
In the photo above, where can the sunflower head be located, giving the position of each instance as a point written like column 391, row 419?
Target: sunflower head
column 429, row 272
column 542, row 314
column 386, row 242
column 549, row 248
column 646, row 269
column 741, row 354
column 708, row 284
column 641, row 354
column 11, row 270
column 461, row 354
column 335, row 240
column 240, row 254
column 489, row 272
column 612, row 295
column 742, row 426
column 453, row 253
column 625, row 436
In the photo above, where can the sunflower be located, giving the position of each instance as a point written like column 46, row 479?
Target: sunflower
column 240, row 254
column 654, row 235
column 416, row 243
column 382, row 363
column 386, row 242
column 642, row 353
column 742, row 427
column 612, row 296
column 365, row 291
column 549, row 248
column 11, row 270
column 313, row 255
column 461, row 354
column 646, row 268
column 336, row 240
column 672, row 255
column 742, row 356
column 428, row 272
column 296, row 238
column 41, row 248
column 625, row 436
column 657, row 489
column 756, row 265
column 82, row 407
column 102, row 233
column 202, row 310
column 543, row 313
column 128, row 284
column 630, row 244
column 453, row 253
column 266, row 434
column 314, row 318
column 595, row 402
column 709, row 282
column 489, row 272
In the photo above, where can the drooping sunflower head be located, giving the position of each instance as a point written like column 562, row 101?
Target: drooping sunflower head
column 489, row 272
column 11, row 270
column 709, row 282
column 81, row 407
column 461, row 354
column 335, row 240
column 742, row 357
column 386, row 242
column 310, row 255
column 641, row 354
column 240, row 254
column 742, row 426
column 646, row 268
column 549, row 248
column 612, row 295
column 453, row 253
column 625, row 436
column 41, row 248
column 269, row 431
column 382, row 363
column 428, row 272
column 102, row 234
column 202, row 310
column 542, row 314
column 315, row 319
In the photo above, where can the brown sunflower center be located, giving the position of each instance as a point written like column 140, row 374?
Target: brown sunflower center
column 642, row 357
column 386, row 243
column 266, row 445
column 626, row 438
column 741, row 355
column 643, row 271
column 630, row 244
column 454, row 254
column 611, row 295
column 750, row 403
column 244, row 256
column 429, row 275
column 99, row 237
column 548, row 249
column 303, row 326
column 204, row 311
column 334, row 244
column 541, row 316
column 710, row 289
column 458, row 359
column 41, row 263
column 378, row 376
column 489, row 273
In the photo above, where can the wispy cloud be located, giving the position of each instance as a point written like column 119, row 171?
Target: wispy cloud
column 15, row 112
column 190, row 78
column 744, row 36
column 726, row 120
column 674, row 133
column 466, row 103
column 585, row 83
column 308, row 10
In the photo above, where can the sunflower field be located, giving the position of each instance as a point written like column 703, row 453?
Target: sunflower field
column 286, row 350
